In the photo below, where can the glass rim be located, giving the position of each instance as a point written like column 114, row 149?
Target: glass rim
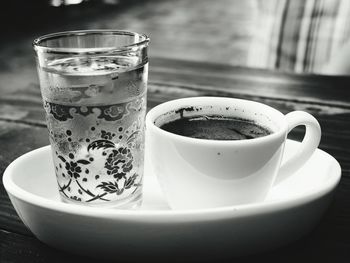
column 37, row 43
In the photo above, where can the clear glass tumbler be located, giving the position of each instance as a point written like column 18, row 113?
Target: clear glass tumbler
column 94, row 85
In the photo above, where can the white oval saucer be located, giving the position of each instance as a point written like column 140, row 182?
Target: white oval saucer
column 291, row 210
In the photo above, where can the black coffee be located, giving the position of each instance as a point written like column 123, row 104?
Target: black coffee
column 216, row 128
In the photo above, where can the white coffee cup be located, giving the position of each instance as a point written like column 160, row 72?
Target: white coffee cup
column 200, row 173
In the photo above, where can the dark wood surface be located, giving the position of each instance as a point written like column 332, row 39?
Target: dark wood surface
column 178, row 30
column 22, row 128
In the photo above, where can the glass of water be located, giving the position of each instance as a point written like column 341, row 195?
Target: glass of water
column 94, row 85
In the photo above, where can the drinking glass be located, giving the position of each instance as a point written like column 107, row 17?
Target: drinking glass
column 93, row 85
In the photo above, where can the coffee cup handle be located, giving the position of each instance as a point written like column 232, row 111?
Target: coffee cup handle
column 308, row 146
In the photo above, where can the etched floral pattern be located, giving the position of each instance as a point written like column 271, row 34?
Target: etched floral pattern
column 104, row 164
column 73, row 169
column 108, row 113
column 107, row 135
column 119, row 162
column 111, row 187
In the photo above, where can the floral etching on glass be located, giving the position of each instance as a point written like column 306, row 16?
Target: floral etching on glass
column 109, row 167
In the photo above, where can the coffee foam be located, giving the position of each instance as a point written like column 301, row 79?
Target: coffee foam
column 216, row 128
column 223, row 111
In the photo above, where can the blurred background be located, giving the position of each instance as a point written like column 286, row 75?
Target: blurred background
column 302, row 36
column 201, row 30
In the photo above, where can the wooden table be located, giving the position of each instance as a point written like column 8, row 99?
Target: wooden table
column 22, row 128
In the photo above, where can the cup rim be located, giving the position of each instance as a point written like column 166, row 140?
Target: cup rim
column 38, row 46
column 154, row 113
